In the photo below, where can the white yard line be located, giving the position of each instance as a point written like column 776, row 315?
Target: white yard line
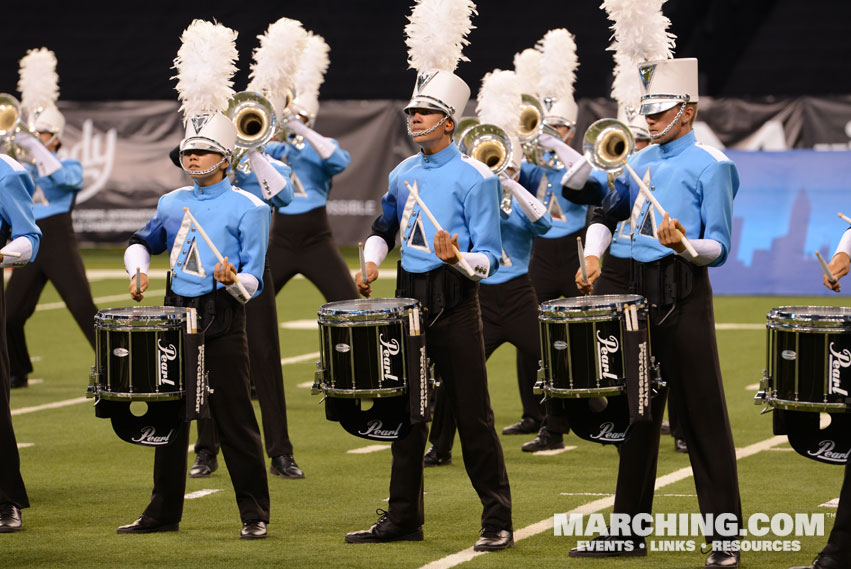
column 46, row 406
column 25, row 445
column 98, row 300
column 736, row 326
column 300, row 325
column 595, row 506
column 553, row 452
column 368, row 449
column 751, row 387
column 201, row 493
column 305, row 384
column 299, row 359
column 831, row 504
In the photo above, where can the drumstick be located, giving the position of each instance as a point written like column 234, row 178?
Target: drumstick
column 633, row 312
column 434, row 222
column 652, row 199
column 138, row 280
column 825, row 268
column 362, row 263
column 215, row 251
column 844, row 217
column 11, row 254
column 581, row 259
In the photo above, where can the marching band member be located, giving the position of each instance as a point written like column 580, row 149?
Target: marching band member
column 837, row 553
column 237, row 224
column 301, row 241
column 507, row 299
column 57, row 183
column 274, row 65
column 697, row 184
column 16, row 187
column 464, row 195
column 554, row 256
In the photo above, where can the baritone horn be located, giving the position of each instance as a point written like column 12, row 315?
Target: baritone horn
column 10, row 115
column 254, row 117
column 607, row 144
column 464, row 124
column 489, row 144
column 531, row 117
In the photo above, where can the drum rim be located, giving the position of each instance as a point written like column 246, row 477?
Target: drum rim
column 796, row 317
column 331, row 313
column 558, row 303
column 141, row 314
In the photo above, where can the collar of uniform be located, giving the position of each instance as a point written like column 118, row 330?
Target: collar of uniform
column 676, row 146
column 210, row 192
column 440, row 158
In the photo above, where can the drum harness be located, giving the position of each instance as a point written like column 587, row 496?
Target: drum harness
column 438, row 290
column 215, row 308
column 664, row 282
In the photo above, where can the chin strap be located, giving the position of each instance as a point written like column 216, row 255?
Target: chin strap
column 673, row 122
column 209, row 170
column 427, row 131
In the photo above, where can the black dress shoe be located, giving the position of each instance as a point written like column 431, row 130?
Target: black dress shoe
column 494, row 540
column 611, row 546
column 285, row 467
column 546, row 440
column 19, row 381
column 665, row 429
column 723, row 560
column 147, row 524
column 524, row 426
column 204, row 466
column 824, row 561
column 434, row 458
column 384, row 530
column 10, row 518
column 253, row 529
column 680, row 445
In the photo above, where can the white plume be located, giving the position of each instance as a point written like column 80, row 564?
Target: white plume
column 205, row 64
column 640, row 33
column 499, row 100
column 312, row 67
column 527, row 66
column 436, row 33
column 559, row 61
column 277, row 57
column 38, row 81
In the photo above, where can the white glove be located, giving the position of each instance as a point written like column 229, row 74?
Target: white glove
column 271, row 181
column 576, row 166
column 324, row 147
column 45, row 161
column 530, row 205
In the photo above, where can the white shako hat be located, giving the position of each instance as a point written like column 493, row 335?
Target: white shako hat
column 558, row 74
column 38, row 83
column 435, row 36
column 667, row 83
column 310, row 75
column 205, row 65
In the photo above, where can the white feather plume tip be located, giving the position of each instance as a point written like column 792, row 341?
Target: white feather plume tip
column 436, row 32
column 640, row 33
column 205, row 64
column 277, row 57
column 560, row 62
column 312, row 67
column 38, row 81
column 527, row 66
column 499, row 100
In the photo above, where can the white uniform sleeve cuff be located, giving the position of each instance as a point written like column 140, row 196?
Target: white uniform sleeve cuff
column 23, row 247
column 597, row 240
column 576, row 174
column 707, row 251
column 845, row 244
column 249, row 283
column 270, row 180
column 375, row 250
column 478, row 263
column 137, row 255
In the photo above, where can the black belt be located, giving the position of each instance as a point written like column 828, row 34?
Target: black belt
column 216, row 310
column 664, row 282
column 437, row 290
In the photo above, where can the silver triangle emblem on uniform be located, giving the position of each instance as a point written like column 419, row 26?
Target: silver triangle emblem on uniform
column 555, row 209
column 417, row 238
column 39, row 198
column 198, row 122
column 646, row 72
column 192, row 262
column 298, row 187
column 505, row 261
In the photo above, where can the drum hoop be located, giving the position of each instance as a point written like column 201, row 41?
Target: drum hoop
column 600, row 308
column 102, row 393
column 334, row 313
column 807, row 318
column 580, row 393
column 364, row 393
column 138, row 317
column 813, row 406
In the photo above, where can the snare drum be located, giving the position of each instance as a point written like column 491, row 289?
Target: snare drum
column 808, row 359
column 139, row 354
column 581, row 344
column 362, row 345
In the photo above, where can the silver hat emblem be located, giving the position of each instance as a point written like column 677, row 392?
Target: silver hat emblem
column 646, row 72
column 423, row 80
column 199, row 121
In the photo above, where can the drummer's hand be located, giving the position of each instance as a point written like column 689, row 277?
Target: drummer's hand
column 137, row 294
column 371, row 275
column 671, row 233
column 445, row 248
column 839, row 266
column 225, row 273
column 592, row 269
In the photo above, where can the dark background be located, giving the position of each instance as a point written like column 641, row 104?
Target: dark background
column 122, row 50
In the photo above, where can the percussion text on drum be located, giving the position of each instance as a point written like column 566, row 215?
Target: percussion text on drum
column 837, row 361
column 604, row 348
column 167, row 354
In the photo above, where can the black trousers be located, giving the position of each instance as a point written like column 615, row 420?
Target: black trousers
column 264, row 353
column 12, row 489
column 303, row 244
column 509, row 314
column 59, row 261
column 684, row 343
column 455, row 345
column 839, row 542
column 230, row 405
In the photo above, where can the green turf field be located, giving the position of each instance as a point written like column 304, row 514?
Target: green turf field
column 84, row 481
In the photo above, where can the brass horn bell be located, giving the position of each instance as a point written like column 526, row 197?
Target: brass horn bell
column 607, row 144
column 489, row 144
